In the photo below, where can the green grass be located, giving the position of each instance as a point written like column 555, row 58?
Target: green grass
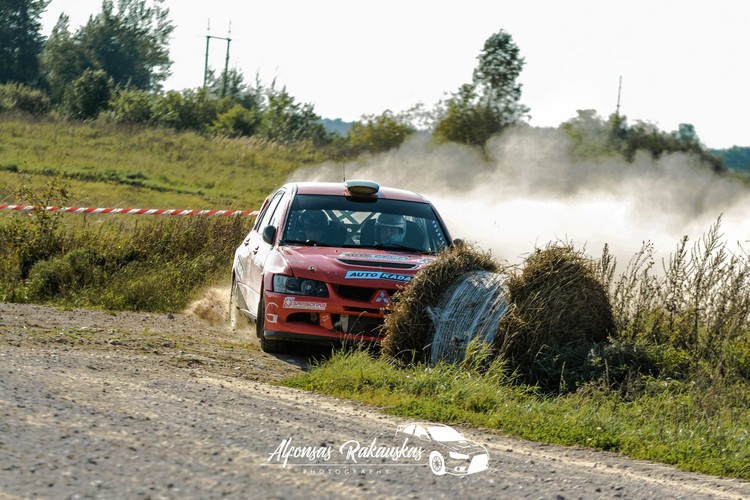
column 126, row 166
column 127, row 262
column 673, row 422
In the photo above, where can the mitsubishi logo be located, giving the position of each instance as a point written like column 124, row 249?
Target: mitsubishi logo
column 383, row 297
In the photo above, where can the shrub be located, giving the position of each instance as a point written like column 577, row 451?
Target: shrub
column 88, row 95
column 49, row 278
column 132, row 106
column 236, row 121
column 16, row 97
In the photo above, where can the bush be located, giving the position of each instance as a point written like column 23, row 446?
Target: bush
column 378, row 133
column 88, row 95
column 189, row 110
column 49, row 278
column 236, row 121
column 16, row 97
column 132, row 106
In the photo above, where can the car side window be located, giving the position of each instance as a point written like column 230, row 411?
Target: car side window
column 267, row 215
column 278, row 212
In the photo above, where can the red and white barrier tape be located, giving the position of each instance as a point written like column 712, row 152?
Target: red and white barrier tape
column 131, row 211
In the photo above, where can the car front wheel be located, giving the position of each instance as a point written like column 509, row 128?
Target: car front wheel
column 437, row 463
column 268, row 345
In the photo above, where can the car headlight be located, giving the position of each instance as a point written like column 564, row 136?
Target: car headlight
column 299, row 286
column 458, row 456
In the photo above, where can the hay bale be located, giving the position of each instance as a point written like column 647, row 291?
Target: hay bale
column 557, row 301
column 408, row 326
column 470, row 310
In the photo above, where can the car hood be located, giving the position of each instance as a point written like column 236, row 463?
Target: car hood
column 351, row 265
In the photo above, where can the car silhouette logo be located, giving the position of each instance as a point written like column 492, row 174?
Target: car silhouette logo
column 450, row 452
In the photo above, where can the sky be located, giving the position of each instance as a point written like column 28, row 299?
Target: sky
column 680, row 61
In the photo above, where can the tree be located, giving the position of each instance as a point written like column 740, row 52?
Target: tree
column 378, row 133
column 63, row 59
column 130, row 43
column 20, row 40
column 285, row 120
column 492, row 101
column 500, row 65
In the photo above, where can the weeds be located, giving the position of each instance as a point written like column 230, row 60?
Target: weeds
column 150, row 265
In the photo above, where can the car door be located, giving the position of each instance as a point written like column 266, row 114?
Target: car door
column 259, row 249
column 254, row 251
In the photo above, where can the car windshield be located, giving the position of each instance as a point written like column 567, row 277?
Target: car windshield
column 445, row 434
column 363, row 223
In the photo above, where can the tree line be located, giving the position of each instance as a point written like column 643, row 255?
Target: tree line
column 115, row 65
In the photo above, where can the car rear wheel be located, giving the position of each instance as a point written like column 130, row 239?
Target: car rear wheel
column 268, row 345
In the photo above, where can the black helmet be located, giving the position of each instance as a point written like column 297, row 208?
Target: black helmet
column 313, row 219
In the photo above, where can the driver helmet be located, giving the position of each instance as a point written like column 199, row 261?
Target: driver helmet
column 312, row 220
column 391, row 228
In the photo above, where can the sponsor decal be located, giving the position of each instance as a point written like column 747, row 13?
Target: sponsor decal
column 373, row 256
column 418, row 445
column 377, row 275
column 272, row 313
column 308, row 305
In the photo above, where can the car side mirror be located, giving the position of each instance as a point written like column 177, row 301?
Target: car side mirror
column 269, row 234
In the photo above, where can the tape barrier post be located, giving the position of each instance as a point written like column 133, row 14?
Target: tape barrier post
column 131, row 211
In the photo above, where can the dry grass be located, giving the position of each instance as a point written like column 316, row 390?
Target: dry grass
column 557, row 301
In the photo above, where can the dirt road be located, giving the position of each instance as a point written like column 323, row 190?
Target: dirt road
column 155, row 406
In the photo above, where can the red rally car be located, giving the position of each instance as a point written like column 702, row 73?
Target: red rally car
column 323, row 260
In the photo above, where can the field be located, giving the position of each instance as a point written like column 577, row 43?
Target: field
column 681, row 351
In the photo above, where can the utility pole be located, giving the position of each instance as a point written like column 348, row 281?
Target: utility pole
column 619, row 91
column 226, row 60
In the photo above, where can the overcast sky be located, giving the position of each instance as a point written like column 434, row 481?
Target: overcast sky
column 681, row 61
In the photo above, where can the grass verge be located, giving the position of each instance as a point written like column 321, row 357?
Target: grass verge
column 696, row 428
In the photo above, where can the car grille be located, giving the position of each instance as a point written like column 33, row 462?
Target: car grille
column 356, row 292
column 380, row 265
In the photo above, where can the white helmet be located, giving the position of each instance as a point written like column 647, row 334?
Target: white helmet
column 390, row 228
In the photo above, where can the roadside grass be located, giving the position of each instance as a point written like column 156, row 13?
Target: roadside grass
column 696, row 428
column 139, row 263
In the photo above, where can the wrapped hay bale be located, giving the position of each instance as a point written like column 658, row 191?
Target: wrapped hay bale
column 545, row 318
column 471, row 309
column 409, row 328
column 557, row 302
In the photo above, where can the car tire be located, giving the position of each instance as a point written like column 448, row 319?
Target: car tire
column 234, row 309
column 272, row 346
column 437, row 463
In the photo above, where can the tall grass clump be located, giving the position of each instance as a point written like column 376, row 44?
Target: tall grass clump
column 697, row 307
column 119, row 263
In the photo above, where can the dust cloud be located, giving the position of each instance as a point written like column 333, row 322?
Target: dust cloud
column 213, row 305
column 527, row 192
